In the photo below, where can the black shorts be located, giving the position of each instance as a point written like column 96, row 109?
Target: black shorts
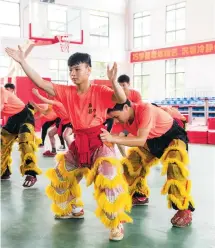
column 158, row 145
column 57, row 122
column 65, row 126
column 16, row 121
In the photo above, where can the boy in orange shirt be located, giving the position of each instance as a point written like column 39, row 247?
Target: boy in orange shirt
column 86, row 107
column 156, row 136
column 20, row 125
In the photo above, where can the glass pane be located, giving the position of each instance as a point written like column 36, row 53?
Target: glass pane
column 137, row 69
column 9, row 31
column 170, row 37
column 137, row 83
column 54, row 74
column 180, row 18
column 4, row 61
column 53, row 64
column 98, row 25
column 180, row 65
column 146, row 25
column 145, row 87
column 180, row 84
column 137, row 27
column 170, row 7
column 63, row 65
column 146, row 68
column 137, row 42
column 170, row 66
column 57, row 26
column 181, row 5
column 170, row 21
column 104, row 41
column 146, row 41
column 57, row 13
column 170, row 85
column 180, row 35
column 9, row 13
column 63, row 75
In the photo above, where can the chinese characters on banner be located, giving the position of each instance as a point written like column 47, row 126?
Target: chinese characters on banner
column 174, row 52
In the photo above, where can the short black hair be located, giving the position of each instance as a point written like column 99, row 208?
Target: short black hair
column 9, row 85
column 123, row 79
column 119, row 106
column 77, row 58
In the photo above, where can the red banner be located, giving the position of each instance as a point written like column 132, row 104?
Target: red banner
column 198, row 49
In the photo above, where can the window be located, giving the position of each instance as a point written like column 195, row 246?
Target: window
column 142, row 30
column 99, row 70
column 175, row 22
column 10, row 18
column 175, row 78
column 141, row 72
column 99, row 28
column 59, row 71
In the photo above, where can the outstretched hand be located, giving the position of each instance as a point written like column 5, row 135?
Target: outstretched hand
column 106, row 136
column 112, row 73
column 17, row 55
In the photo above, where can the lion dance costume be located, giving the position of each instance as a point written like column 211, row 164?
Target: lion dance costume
column 20, row 127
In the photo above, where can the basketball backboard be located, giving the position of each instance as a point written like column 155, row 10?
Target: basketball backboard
column 49, row 21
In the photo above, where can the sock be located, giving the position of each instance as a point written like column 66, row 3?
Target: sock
column 54, row 150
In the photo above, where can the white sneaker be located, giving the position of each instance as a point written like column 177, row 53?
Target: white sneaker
column 117, row 234
column 61, row 148
column 73, row 215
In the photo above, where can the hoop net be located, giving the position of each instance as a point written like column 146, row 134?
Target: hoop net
column 64, row 43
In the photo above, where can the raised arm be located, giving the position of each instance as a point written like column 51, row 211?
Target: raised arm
column 42, row 98
column 19, row 56
column 38, row 108
column 119, row 94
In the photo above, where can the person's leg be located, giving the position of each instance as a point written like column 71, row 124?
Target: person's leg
column 52, row 132
column 27, row 146
column 67, row 135
column 7, row 141
column 64, row 189
column 111, row 191
column 178, row 186
column 136, row 168
column 45, row 128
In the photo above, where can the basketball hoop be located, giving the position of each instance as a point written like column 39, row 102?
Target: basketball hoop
column 64, row 43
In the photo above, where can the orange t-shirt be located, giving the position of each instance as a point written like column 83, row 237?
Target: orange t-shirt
column 147, row 114
column 10, row 103
column 134, row 96
column 88, row 109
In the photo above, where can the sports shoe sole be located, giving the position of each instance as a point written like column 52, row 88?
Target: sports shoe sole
column 68, row 217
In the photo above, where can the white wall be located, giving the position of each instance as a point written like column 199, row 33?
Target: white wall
column 115, row 51
column 200, row 27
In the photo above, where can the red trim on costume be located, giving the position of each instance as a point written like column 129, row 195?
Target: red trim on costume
column 85, row 143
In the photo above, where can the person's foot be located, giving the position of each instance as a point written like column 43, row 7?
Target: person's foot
column 182, row 218
column 61, row 148
column 49, row 154
column 117, row 234
column 139, row 199
column 29, row 181
column 78, row 214
column 6, row 175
